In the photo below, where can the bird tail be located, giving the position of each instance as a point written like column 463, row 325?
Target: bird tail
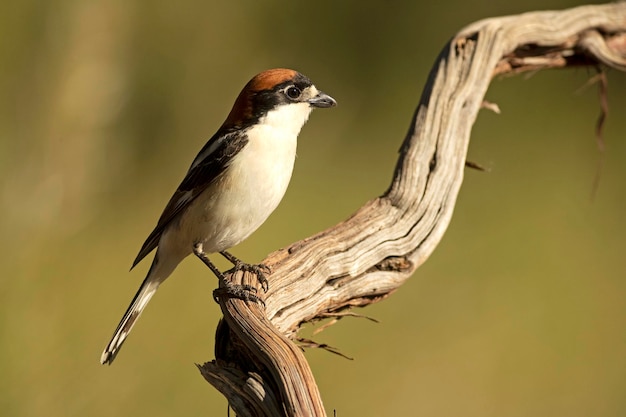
column 143, row 296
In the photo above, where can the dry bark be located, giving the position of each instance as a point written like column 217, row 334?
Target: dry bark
column 368, row 256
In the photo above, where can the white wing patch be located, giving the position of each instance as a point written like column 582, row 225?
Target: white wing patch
column 203, row 155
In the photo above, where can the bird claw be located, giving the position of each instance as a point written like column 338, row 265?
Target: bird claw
column 257, row 269
column 241, row 292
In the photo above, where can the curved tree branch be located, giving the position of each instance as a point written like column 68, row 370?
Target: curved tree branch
column 368, row 256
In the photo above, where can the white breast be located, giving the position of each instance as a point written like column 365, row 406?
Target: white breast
column 253, row 186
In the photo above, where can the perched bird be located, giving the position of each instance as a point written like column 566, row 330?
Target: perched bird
column 232, row 186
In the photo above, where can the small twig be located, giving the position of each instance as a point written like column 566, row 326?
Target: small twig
column 308, row 343
column 491, row 106
column 604, row 111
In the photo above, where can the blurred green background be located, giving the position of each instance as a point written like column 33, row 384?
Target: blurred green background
column 520, row 311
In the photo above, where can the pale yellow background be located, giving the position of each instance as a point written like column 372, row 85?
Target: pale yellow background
column 103, row 104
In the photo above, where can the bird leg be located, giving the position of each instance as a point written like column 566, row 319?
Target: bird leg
column 259, row 270
column 242, row 292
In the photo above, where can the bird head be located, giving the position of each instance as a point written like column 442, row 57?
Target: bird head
column 276, row 90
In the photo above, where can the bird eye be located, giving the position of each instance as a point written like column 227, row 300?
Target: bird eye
column 293, row 92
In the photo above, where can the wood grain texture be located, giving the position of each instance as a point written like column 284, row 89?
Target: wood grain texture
column 368, row 256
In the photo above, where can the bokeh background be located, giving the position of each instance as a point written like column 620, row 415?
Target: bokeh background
column 520, row 311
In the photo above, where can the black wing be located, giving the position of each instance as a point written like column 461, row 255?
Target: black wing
column 211, row 161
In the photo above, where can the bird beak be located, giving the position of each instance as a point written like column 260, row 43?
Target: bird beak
column 322, row 100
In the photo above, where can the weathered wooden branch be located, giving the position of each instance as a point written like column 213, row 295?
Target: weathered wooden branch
column 365, row 258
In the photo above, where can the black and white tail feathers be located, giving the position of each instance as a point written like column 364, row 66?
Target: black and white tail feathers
column 143, row 296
